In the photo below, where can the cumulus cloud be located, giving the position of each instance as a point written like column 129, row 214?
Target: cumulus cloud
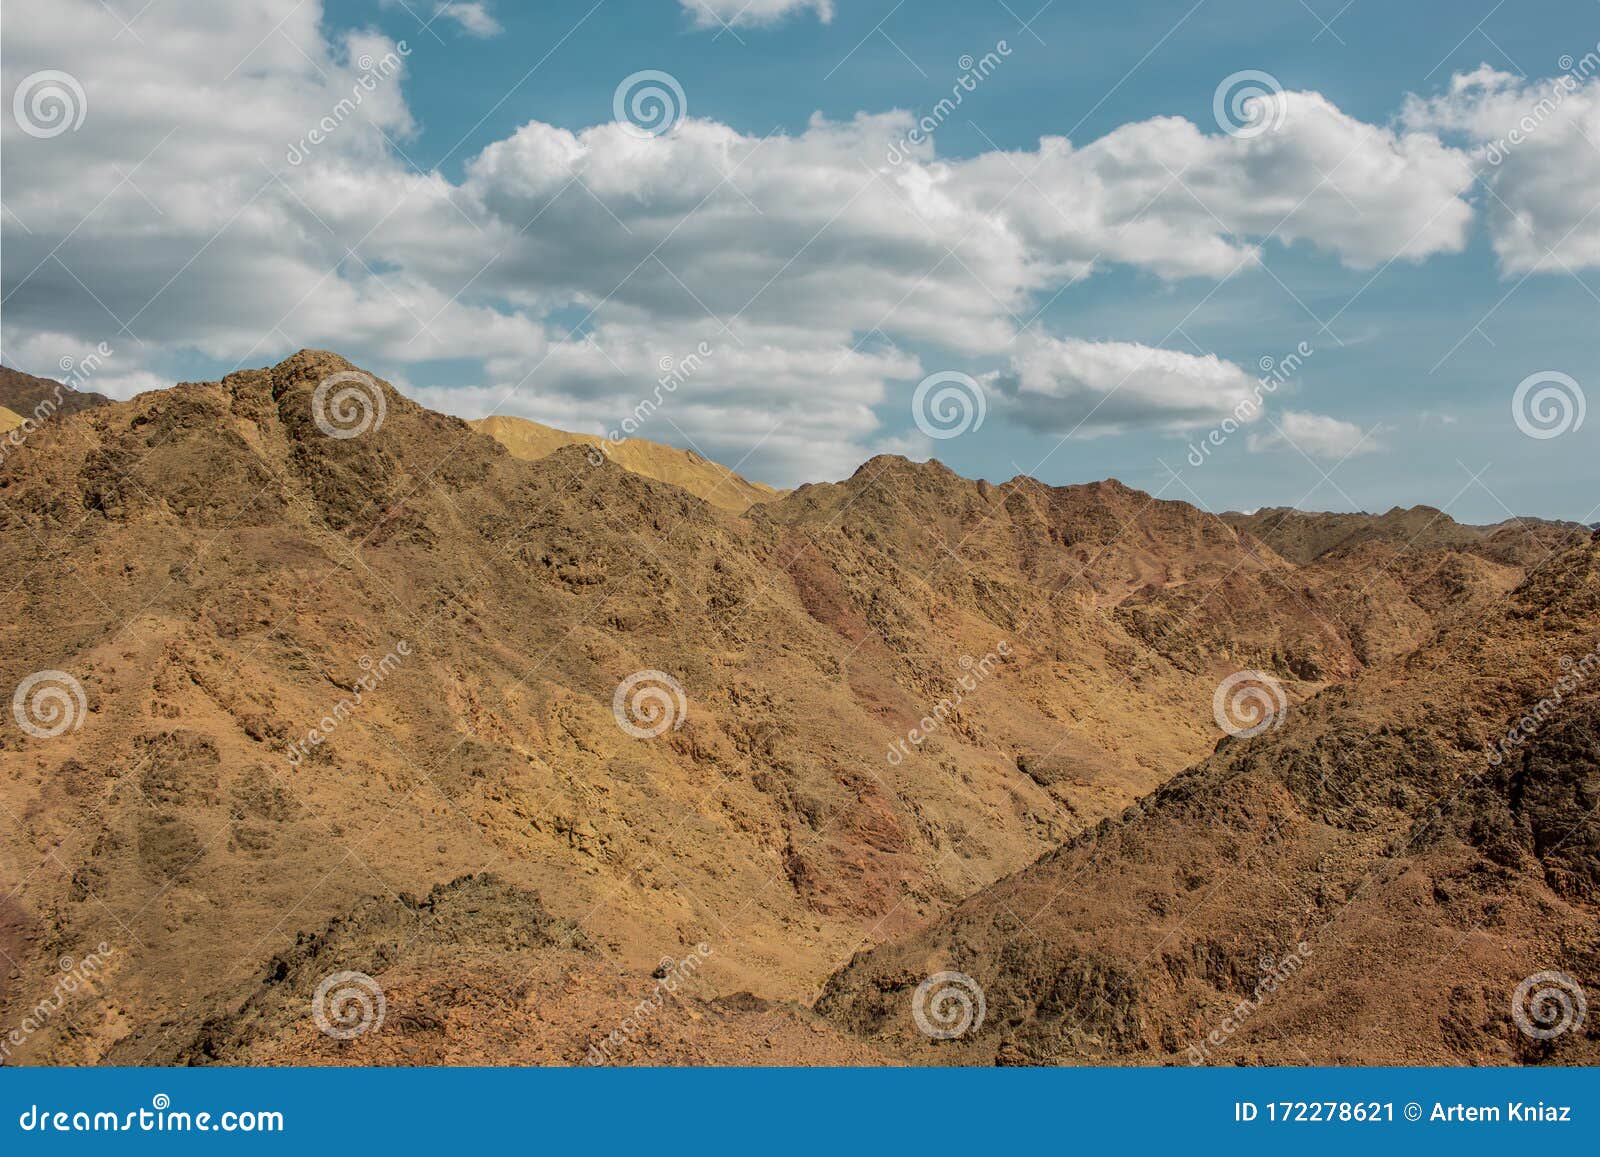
column 1536, row 146
column 1166, row 196
column 1316, row 435
column 472, row 16
column 738, row 13
column 264, row 202
column 914, row 445
column 1069, row 386
column 806, row 412
column 102, row 368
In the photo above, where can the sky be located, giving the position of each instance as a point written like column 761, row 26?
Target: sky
column 1323, row 254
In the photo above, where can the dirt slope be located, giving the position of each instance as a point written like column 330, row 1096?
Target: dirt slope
column 477, row 973
column 682, row 468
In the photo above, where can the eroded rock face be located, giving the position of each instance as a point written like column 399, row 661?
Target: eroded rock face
column 1373, row 883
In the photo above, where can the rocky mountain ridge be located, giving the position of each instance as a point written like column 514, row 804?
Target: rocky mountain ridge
column 320, row 672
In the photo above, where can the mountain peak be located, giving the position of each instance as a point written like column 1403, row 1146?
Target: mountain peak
column 889, row 465
column 708, row 480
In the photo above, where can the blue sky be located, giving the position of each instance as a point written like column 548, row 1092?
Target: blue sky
column 1415, row 360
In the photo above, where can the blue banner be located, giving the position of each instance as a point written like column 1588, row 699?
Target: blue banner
column 808, row 1111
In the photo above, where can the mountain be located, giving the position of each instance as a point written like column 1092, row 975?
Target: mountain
column 308, row 679
column 1304, row 536
column 222, row 568
column 1369, row 884
column 24, row 394
column 716, row 484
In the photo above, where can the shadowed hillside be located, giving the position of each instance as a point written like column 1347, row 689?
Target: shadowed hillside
column 28, row 396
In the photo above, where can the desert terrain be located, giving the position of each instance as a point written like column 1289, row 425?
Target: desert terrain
column 592, row 751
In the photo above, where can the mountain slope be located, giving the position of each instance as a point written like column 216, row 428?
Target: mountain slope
column 682, row 468
column 477, row 972
column 1370, row 858
column 25, row 394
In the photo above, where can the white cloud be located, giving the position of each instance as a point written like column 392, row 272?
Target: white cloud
column 1536, row 146
column 1066, row 386
column 1316, row 435
column 1163, row 195
column 472, row 16
column 741, row 13
column 567, row 263
column 810, row 410
column 112, row 370
column 818, row 230
column 913, row 445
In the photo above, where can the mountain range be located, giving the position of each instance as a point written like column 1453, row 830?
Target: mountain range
column 534, row 731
